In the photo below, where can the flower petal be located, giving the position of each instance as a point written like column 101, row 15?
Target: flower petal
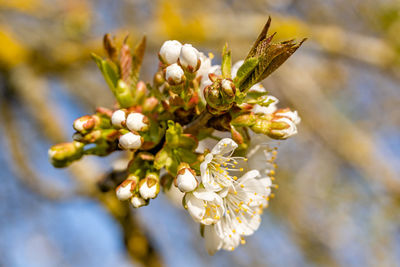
column 224, row 146
column 213, row 241
column 195, row 207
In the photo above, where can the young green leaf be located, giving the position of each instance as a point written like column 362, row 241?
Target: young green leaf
column 226, row 62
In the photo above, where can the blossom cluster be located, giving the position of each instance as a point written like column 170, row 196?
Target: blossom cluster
column 166, row 127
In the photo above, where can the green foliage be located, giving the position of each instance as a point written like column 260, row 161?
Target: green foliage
column 226, row 63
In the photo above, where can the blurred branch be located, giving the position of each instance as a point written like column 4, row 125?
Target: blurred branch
column 20, row 162
column 339, row 133
column 31, row 91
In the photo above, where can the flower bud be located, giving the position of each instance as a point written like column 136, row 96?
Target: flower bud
column 137, row 122
column 150, row 186
column 127, row 188
column 118, row 118
column 169, row 52
column 140, row 92
column 266, row 106
column 130, row 141
column 186, row 179
column 287, row 113
column 282, row 128
column 174, row 74
column 189, row 58
column 84, row 124
column 138, row 202
column 63, row 154
column 228, row 89
column 150, row 104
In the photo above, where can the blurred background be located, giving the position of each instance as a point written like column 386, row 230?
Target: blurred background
column 339, row 184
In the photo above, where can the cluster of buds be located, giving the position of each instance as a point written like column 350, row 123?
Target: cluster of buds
column 130, row 124
column 163, row 125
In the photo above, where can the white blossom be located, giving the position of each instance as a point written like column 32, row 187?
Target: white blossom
column 186, row 181
column 136, row 122
column 289, row 130
column 271, row 108
column 138, row 202
column 170, row 51
column 204, row 206
column 174, row 74
column 84, row 123
column 292, row 115
column 217, row 164
column 130, row 141
column 189, row 57
column 243, row 204
column 149, row 188
column 125, row 190
column 118, row 118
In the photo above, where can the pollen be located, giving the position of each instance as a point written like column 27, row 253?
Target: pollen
column 225, row 145
column 235, row 178
column 241, row 186
column 245, row 159
column 241, row 169
column 272, row 172
column 242, row 241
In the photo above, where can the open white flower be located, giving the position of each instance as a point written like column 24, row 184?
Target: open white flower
column 218, row 163
column 204, row 206
column 243, row 204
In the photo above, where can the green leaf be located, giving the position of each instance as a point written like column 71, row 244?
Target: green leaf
column 161, row 159
column 173, row 134
column 245, row 71
column 226, row 62
column 186, row 155
column 109, row 73
column 137, row 60
column 123, row 95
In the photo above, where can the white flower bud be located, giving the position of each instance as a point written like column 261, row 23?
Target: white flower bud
column 268, row 105
column 130, row 141
column 189, row 57
column 125, row 190
column 138, row 202
column 186, row 181
column 291, row 115
column 149, row 188
column 118, row 117
column 170, row 51
column 289, row 130
column 137, row 122
column 84, row 123
column 174, row 74
column 226, row 84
